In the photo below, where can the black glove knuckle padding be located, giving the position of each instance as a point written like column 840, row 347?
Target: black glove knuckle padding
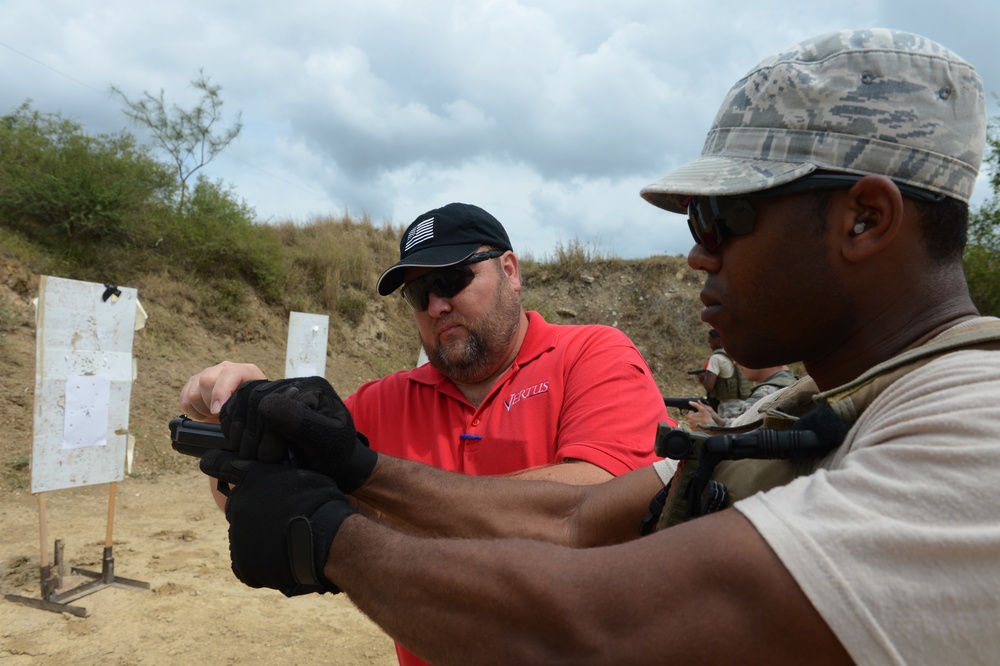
column 239, row 420
column 222, row 465
column 301, row 419
column 244, row 426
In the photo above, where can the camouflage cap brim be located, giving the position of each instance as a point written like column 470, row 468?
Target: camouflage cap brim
column 714, row 175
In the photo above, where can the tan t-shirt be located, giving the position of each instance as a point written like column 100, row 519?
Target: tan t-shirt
column 896, row 538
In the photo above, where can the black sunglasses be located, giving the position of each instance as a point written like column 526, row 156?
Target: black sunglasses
column 445, row 282
column 713, row 220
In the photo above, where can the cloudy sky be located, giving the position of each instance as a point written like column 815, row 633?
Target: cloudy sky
column 551, row 114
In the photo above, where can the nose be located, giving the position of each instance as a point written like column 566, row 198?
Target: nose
column 701, row 259
column 437, row 305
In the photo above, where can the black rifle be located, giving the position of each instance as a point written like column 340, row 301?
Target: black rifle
column 682, row 403
column 194, row 438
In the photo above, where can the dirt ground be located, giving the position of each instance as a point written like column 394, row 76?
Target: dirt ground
column 169, row 534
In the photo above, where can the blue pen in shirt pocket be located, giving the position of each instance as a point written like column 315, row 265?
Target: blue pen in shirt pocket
column 466, row 436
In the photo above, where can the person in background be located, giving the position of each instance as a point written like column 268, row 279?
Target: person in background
column 724, row 383
column 765, row 382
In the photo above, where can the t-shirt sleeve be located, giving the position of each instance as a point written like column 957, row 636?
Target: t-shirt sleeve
column 895, row 539
column 720, row 365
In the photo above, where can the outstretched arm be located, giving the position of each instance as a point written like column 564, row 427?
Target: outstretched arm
column 434, row 501
column 708, row 591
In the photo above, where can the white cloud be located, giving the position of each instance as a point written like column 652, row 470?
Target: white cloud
column 550, row 114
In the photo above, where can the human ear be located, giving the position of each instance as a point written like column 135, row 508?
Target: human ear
column 512, row 270
column 870, row 217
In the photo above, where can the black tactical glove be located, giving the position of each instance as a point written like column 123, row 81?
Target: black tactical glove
column 265, row 420
column 243, row 427
column 282, row 520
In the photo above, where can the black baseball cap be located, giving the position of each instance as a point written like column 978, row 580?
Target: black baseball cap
column 443, row 237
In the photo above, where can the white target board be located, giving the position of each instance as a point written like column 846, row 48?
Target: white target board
column 305, row 355
column 83, row 383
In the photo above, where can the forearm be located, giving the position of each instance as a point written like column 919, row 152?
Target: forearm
column 574, row 472
column 476, row 605
column 443, row 503
column 707, row 593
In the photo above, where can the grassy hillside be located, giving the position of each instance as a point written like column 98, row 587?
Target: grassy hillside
column 328, row 266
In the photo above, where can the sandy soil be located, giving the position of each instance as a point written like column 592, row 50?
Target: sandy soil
column 169, row 534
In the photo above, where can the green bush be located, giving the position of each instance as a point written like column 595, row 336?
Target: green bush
column 104, row 196
column 352, row 306
column 982, row 258
column 216, row 236
column 57, row 184
column 982, row 254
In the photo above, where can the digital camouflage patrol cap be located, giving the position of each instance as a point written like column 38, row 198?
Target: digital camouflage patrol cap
column 858, row 102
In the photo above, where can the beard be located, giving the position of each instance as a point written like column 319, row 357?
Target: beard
column 487, row 344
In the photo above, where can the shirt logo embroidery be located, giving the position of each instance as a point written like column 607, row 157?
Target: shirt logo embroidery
column 424, row 231
column 523, row 394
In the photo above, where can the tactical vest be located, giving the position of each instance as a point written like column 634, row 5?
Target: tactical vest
column 704, row 484
column 737, row 387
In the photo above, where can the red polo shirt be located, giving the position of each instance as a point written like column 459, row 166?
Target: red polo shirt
column 581, row 392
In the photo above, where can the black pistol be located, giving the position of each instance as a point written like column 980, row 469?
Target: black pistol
column 194, row 438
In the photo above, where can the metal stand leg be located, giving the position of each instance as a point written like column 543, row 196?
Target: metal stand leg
column 50, row 598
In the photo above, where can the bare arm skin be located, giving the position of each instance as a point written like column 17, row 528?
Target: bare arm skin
column 443, row 503
column 708, row 379
column 204, row 394
column 707, row 591
column 573, row 472
column 701, row 415
column 576, row 472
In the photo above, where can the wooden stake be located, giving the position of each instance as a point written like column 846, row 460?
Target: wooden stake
column 111, row 514
column 43, row 536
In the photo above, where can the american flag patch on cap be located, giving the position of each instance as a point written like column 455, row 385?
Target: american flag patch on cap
column 424, row 230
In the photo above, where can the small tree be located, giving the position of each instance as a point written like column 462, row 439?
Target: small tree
column 187, row 136
column 982, row 255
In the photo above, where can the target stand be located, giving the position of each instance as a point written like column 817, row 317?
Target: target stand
column 52, row 597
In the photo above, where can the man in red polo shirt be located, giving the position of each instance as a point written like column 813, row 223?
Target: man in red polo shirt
column 504, row 391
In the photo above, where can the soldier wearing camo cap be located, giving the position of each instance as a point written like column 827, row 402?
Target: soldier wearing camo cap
column 828, row 209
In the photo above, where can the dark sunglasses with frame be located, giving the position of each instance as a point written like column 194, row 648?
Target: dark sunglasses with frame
column 445, row 282
column 712, row 220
